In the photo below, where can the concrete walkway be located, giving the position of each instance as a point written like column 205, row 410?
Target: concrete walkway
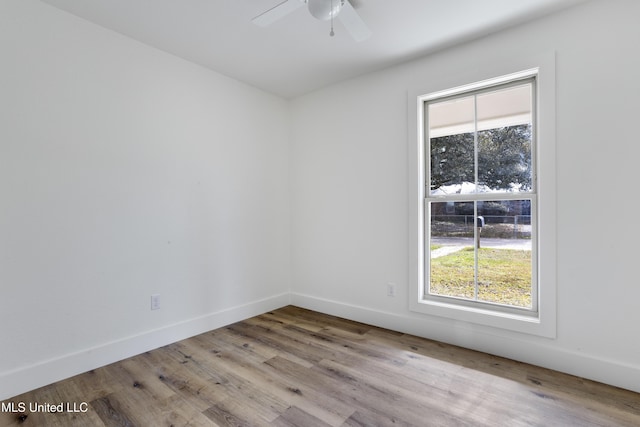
column 455, row 244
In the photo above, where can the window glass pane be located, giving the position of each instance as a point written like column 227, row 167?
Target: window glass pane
column 451, row 133
column 484, row 258
column 504, row 253
column 451, row 117
column 452, row 160
column 452, row 262
column 504, row 140
column 505, row 107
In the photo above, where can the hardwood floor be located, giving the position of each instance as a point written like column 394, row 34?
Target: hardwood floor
column 294, row 367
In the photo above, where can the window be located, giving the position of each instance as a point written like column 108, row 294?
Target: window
column 480, row 234
column 483, row 202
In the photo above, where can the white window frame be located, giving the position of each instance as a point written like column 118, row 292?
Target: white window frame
column 543, row 321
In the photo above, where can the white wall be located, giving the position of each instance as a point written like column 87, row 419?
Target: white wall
column 125, row 172
column 350, row 199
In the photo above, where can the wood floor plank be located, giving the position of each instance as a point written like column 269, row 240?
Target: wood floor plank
column 222, row 417
column 110, row 413
column 359, row 419
column 295, row 367
column 295, row 416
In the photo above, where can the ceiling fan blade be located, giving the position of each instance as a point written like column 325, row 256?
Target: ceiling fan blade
column 277, row 12
column 353, row 23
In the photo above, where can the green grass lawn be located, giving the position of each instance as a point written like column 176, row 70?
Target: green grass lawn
column 504, row 276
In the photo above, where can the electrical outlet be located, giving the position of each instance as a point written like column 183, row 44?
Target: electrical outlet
column 155, row 302
column 391, row 289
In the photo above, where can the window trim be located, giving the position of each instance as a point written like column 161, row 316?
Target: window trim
column 542, row 323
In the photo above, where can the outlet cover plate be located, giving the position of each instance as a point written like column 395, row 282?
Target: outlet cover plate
column 155, row 302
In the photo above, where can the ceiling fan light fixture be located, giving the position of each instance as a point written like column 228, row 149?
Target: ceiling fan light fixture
column 324, row 9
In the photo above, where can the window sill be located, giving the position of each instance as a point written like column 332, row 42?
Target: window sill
column 533, row 324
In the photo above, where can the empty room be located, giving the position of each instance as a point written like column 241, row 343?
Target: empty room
column 319, row 213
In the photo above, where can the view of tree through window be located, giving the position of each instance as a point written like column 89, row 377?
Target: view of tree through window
column 481, row 197
column 504, row 158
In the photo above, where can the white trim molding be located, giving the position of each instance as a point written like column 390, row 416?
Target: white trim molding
column 544, row 322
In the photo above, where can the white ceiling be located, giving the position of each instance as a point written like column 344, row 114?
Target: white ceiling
column 295, row 55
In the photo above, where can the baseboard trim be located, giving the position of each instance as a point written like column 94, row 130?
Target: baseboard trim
column 18, row 381
column 537, row 352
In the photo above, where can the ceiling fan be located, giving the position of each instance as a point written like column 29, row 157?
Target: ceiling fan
column 320, row 9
